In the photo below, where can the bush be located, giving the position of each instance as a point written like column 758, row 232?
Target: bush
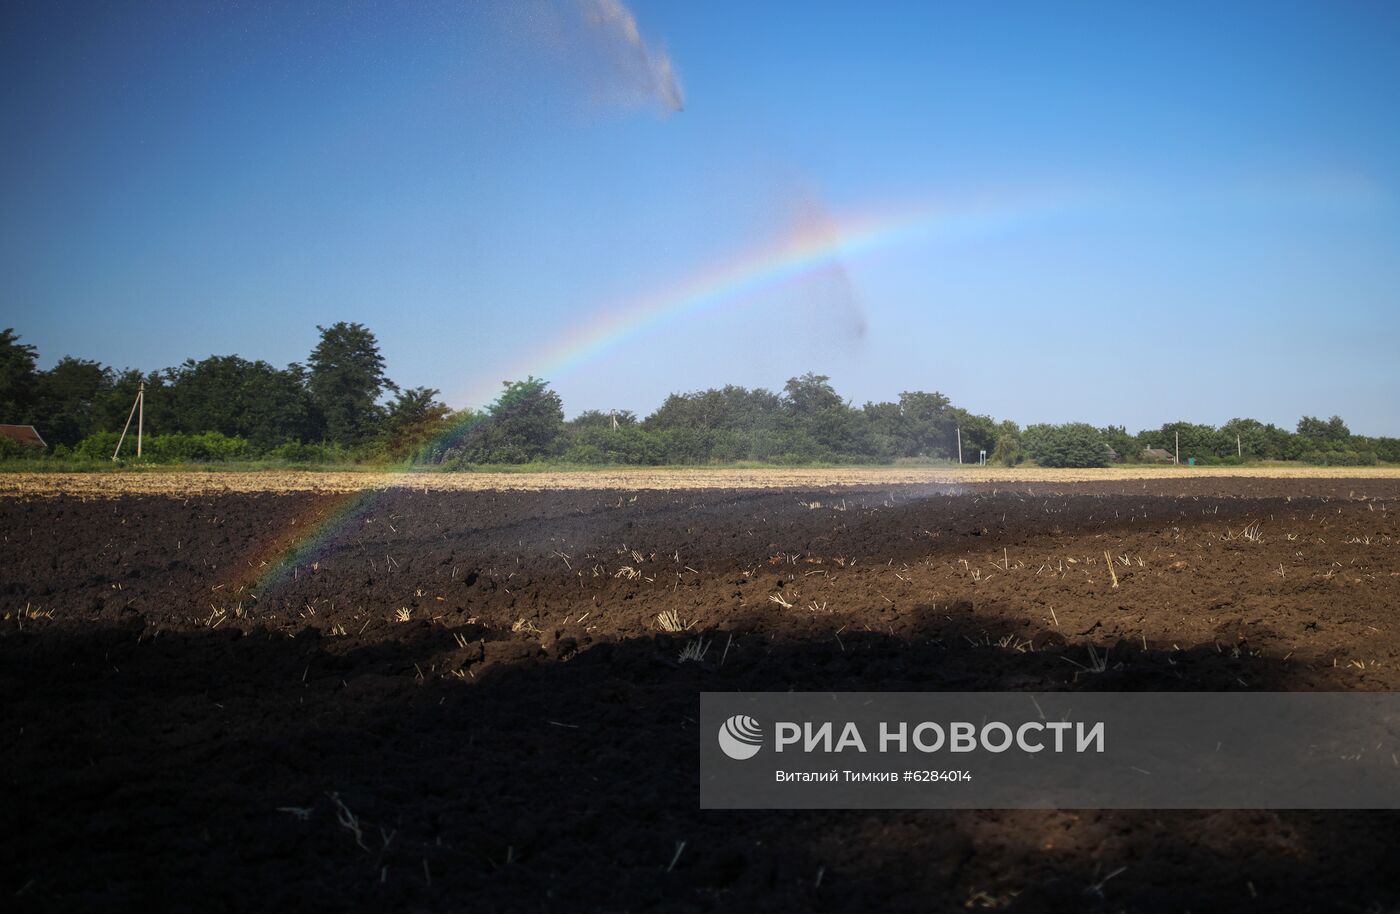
column 1211, row 460
column 1387, row 449
column 629, row 445
column 11, row 449
column 309, row 452
column 210, row 447
column 100, row 445
column 1341, row 458
column 1075, row 444
column 1008, row 451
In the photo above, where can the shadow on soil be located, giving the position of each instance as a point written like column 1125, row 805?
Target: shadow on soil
column 226, row 770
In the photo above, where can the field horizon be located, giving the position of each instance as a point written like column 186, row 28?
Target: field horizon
column 174, row 480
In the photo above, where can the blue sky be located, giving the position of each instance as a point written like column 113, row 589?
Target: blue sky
column 475, row 181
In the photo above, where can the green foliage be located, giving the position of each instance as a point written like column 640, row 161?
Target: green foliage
column 1340, row 458
column 926, row 426
column 346, row 380
column 453, row 441
column 310, row 453
column 1387, row 449
column 1333, row 430
column 811, row 395
column 414, row 420
column 526, row 423
column 1257, row 441
column 1125, row 446
column 235, row 397
column 13, row 450
column 596, row 418
column 601, row 444
column 226, row 408
column 1008, row 451
column 71, row 396
column 1074, row 444
column 98, row 446
column 1199, row 441
column 979, row 433
column 731, row 407
column 19, row 381
column 208, row 447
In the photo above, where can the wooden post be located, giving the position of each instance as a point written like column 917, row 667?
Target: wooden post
column 959, row 428
column 140, row 414
column 1177, row 459
column 128, row 422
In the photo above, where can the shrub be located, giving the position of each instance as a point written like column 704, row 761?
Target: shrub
column 1075, row 444
column 100, row 445
column 1213, row 461
column 309, row 452
column 209, row 447
column 1340, row 458
column 11, row 449
column 1008, row 451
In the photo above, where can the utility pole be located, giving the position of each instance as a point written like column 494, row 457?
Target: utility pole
column 138, row 409
column 1176, row 461
column 1239, row 447
column 959, row 428
column 612, row 414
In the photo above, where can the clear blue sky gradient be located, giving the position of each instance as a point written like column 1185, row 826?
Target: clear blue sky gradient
column 472, row 180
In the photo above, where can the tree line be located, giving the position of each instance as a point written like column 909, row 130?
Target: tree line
column 341, row 406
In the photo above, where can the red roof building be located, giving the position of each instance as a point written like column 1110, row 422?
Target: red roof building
column 24, row 434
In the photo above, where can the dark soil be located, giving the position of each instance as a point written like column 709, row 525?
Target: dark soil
column 189, row 725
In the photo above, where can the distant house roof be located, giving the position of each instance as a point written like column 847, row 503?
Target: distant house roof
column 24, row 434
column 1157, row 453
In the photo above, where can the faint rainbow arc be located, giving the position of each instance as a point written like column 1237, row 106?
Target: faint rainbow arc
column 747, row 273
column 768, row 266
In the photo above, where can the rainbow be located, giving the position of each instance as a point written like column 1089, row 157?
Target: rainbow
column 797, row 255
column 764, row 267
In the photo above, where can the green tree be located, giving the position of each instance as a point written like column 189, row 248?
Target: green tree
column 414, row 417
column 346, row 381
column 928, row 428
column 1124, row 445
column 731, row 407
column 596, row 418
column 113, row 406
column 19, row 381
column 979, row 433
column 71, row 395
column 1008, row 451
column 1333, row 430
column 884, row 431
column 414, row 407
column 277, row 407
column 525, row 423
column 1074, row 444
column 821, row 425
column 235, row 397
column 810, row 395
column 205, row 396
column 1199, row 441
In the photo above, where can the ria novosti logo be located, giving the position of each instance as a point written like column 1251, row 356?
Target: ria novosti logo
column 740, row 737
